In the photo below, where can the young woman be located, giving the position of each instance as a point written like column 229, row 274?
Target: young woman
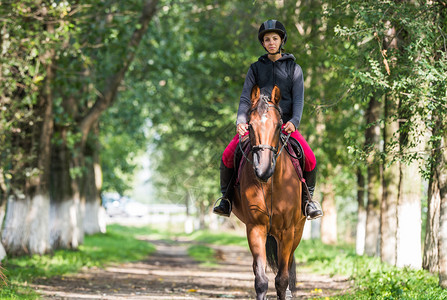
column 273, row 68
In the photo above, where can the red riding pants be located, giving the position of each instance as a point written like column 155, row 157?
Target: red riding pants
column 310, row 161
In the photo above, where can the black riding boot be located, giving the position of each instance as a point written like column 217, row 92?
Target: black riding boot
column 311, row 209
column 226, row 176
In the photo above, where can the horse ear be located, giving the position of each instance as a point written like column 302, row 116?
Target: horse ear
column 276, row 94
column 255, row 95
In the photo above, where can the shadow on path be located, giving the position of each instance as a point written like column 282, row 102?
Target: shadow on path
column 171, row 274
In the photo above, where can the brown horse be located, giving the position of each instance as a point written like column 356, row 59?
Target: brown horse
column 269, row 198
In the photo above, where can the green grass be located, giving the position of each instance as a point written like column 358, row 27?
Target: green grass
column 218, row 238
column 119, row 244
column 207, row 255
column 372, row 279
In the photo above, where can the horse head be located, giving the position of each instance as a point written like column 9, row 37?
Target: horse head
column 265, row 125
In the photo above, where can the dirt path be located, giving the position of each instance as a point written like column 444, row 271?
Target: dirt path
column 171, row 274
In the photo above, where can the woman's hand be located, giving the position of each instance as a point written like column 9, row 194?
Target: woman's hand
column 289, row 128
column 242, row 129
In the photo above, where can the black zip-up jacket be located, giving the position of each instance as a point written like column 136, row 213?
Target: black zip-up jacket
column 287, row 75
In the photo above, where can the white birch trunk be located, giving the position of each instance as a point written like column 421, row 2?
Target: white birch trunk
column 93, row 222
column 329, row 219
column 372, row 233
column 307, row 231
column 361, row 231
column 442, row 238
column 408, row 233
column 66, row 224
column 2, row 216
column 408, row 242
column 25, row 229
column 442, row 242
column 361, row 214
column 94, row 218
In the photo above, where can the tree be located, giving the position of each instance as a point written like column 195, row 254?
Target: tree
column 49, row 163
column 28, row 124
column 86, row 115
column 390, row 167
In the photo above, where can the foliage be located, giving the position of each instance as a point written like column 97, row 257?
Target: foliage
column 195, row 73
column 119, row 244
column 123, row 139
column 26, row 46
column 393, row 283
column 414, row 72
column 372, row 279
column 84, row 44
column 193, row 85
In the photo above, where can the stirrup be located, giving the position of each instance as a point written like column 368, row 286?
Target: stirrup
column 223, row 198
column 305, row 209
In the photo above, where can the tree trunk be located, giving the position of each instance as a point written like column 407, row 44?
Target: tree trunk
column 430, row 259
column 26, row 224
column 372, row 145
column 390, row 184
column 408, row 236
column 65, row 232
column 92, row 211
column 408, row 244
column 3, row 201
column 329, row 219
column 432, row 232
column 441, row 173
column 361, row 214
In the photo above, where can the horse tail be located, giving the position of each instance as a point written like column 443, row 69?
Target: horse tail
column 271, row 248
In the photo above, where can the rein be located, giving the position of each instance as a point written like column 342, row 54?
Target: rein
column 276, row 153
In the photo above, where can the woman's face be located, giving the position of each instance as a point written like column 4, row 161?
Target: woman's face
column 272, row 42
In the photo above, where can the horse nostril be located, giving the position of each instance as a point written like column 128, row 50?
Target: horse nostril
column 256, row 158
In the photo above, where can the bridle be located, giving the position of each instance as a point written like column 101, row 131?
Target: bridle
column 261, row 147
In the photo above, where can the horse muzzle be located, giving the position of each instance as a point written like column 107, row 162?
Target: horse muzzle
column 264, row 164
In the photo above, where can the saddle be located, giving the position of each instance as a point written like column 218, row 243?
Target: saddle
column 292, row 146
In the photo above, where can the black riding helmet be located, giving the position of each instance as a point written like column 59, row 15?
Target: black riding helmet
column 272, row 26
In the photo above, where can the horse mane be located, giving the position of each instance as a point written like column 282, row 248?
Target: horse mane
column 262, row 106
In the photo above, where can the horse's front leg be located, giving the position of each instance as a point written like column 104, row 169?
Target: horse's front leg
column 285, row 252
column 257, row 236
